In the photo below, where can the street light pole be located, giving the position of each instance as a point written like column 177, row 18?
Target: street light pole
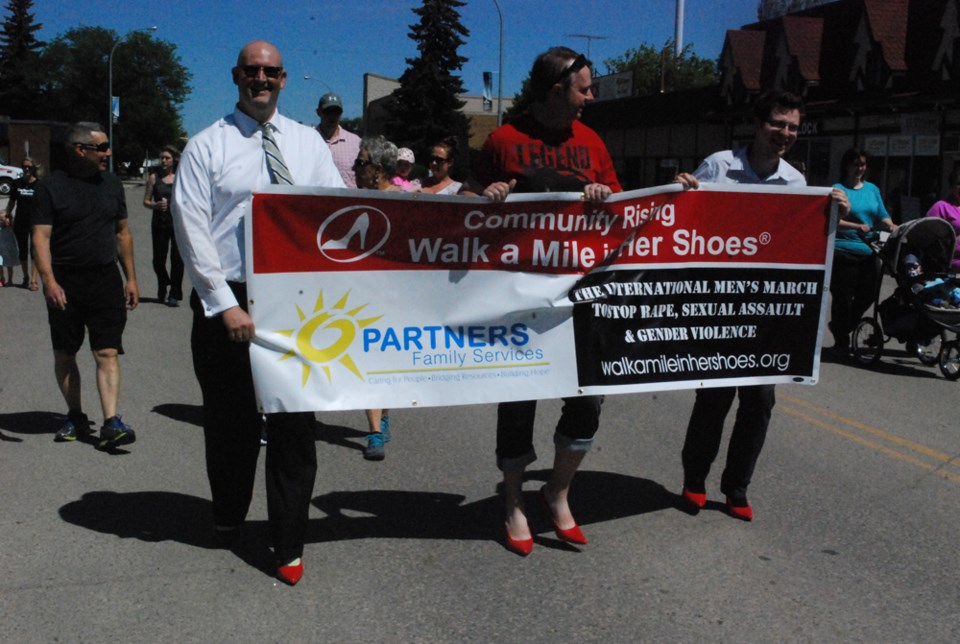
column 110, row 86
column 319, row 80
column 500, row 72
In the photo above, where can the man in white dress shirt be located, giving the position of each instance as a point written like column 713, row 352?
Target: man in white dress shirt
column 220, row 169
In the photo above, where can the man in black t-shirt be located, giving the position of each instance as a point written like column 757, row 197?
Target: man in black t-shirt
column 79, row 232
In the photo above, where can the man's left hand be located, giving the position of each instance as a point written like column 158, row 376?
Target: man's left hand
column 132, row 294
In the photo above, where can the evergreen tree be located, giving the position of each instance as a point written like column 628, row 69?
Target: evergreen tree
column 425, row 108
column 19, row 53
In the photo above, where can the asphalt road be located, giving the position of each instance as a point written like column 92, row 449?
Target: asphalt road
column 856, row 501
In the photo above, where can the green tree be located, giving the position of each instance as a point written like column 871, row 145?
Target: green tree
column 685, row 71
column 148, row 77
column 425, row 108
column 19, row 56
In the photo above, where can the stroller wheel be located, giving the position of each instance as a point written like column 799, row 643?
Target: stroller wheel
column 927, row 352
column 867, row 342
column 950, row 360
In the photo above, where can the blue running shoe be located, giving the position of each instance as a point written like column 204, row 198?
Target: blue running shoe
column 115, row 433
column 374, row 449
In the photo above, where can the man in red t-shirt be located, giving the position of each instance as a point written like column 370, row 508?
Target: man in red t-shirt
column 547, row 150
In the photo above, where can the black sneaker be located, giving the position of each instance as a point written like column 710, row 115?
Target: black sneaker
column 115, row 433
column 75, row 425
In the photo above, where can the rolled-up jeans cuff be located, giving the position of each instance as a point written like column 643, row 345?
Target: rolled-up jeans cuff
column 516, row 463
column 573, row 444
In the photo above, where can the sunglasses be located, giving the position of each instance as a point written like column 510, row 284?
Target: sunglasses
column 578, row 63
column 777, row 124
column 360, row 164
column 252, row 71
column 437, row 160
column 100, row 147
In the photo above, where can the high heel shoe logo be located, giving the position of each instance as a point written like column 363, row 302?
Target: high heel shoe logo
column 345, row 235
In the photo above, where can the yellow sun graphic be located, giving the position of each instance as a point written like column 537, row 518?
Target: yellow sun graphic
column 337, row 319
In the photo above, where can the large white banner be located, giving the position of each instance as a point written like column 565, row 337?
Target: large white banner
column 366, row 299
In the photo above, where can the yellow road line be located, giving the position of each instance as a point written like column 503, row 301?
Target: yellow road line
column 936, row 455
column 879, row 433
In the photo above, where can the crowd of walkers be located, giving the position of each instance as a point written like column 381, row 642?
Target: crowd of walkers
column 198, row 202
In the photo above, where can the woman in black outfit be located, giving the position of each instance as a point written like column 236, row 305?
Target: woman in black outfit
column 157, row 199
column 19, row 209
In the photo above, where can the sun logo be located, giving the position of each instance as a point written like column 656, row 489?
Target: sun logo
column 337, row 323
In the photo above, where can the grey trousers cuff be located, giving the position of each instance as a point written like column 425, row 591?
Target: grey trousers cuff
column 573, row 444
column 517, row 463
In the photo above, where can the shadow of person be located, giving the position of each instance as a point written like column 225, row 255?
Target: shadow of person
column 192, row 414
column 164, row 516
column 32, row 422
column 396, row 514
column 338, row 435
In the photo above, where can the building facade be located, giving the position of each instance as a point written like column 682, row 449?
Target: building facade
column 882, row 75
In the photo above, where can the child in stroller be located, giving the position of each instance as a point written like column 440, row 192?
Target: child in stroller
column 938, row 292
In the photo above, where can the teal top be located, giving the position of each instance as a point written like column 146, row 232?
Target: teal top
column 866, row 206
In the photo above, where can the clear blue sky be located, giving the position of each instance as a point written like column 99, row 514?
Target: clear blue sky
column 338, row 41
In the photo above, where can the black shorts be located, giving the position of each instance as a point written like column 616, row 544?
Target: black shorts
column 96, row 302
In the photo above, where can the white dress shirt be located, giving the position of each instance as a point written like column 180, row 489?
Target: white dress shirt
column 733, row 166
column 219, row 170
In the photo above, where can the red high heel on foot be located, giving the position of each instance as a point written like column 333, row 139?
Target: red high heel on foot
column 570, row 535
column 697, row 500
column 522, row 547
column 290, row 573
column 742, row 512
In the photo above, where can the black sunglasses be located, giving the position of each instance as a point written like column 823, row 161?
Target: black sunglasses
column 252, row 71
column 437, row 160
column 578, row 63
column 100, row 147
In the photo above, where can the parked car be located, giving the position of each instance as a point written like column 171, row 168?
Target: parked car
column 8, row 174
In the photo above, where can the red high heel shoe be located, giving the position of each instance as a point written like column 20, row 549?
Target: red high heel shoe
column 570, row 535
column 743, row 512
column 697, row 500
column 522, row 547
column 291, row 572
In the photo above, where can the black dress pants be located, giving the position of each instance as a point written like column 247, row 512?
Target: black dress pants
column 706, row 429
column 231, row 430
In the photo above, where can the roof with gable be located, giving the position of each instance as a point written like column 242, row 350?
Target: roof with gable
column 888, row 25
column 746, row 49
column 804, row 36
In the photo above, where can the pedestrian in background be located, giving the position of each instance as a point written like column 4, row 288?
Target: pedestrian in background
column 157, row 198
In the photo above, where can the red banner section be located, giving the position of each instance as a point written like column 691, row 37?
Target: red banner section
column 373, row 231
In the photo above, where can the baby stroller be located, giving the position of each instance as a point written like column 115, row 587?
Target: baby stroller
column 906, row 315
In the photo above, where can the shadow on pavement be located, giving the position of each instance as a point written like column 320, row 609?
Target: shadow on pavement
column 31, row 422
column 338, row 435
column 164, row 516
column 181, row 412
column 596, row 497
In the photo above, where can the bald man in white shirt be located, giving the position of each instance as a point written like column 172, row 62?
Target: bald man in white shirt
column 220, row 169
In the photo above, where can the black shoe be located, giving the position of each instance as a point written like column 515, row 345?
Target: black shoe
column 172, row 302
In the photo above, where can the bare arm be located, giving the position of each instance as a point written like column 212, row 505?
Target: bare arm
column 125, row 253
column 148, row 201
column 56, row 298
